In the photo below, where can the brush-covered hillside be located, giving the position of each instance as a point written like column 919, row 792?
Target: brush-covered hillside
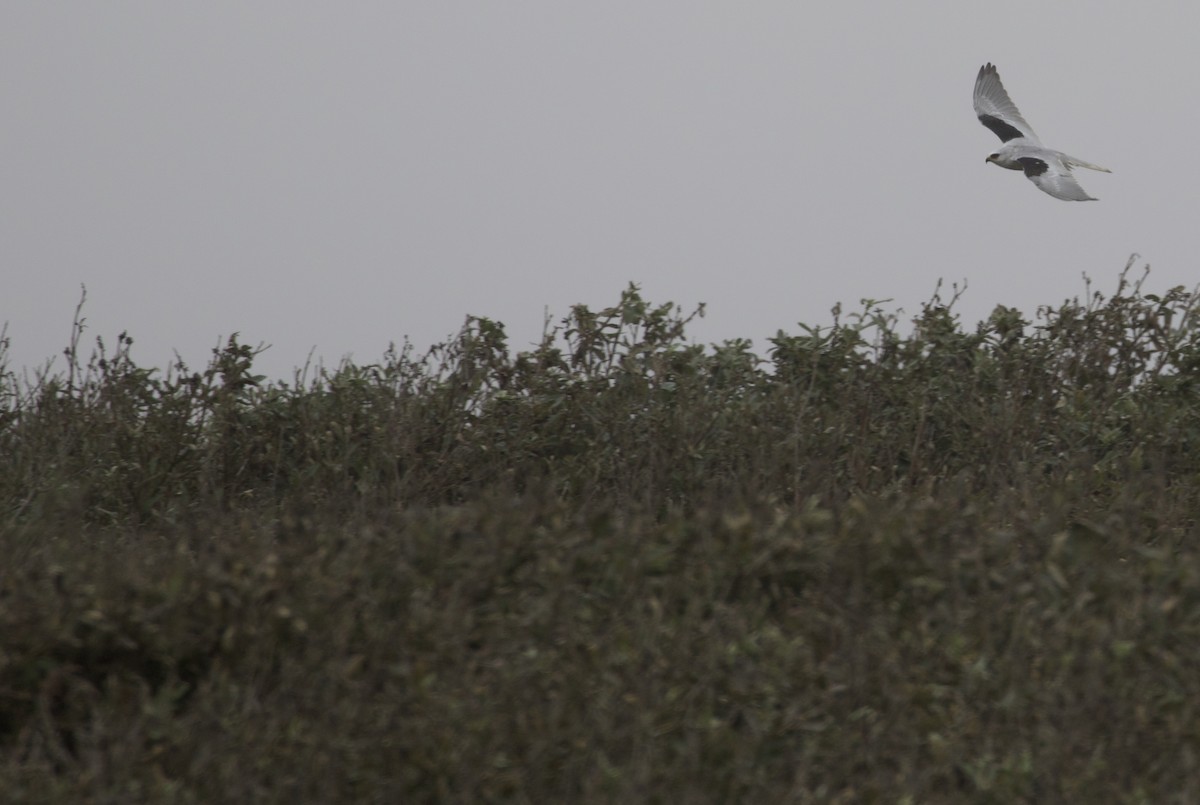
column 887, row 560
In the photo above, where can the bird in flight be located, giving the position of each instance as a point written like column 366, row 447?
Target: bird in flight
column 1022, row 150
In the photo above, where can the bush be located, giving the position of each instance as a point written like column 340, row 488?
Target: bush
column 935, row 565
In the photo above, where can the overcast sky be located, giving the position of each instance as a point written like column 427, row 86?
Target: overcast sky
column 341, row 176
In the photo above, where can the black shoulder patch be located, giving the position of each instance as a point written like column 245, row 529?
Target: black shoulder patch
column 1033, row 166
column 1001, row 129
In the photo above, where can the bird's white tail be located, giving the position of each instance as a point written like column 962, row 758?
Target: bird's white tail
column 1072, row 162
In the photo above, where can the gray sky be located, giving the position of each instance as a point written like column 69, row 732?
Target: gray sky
column 341, row 175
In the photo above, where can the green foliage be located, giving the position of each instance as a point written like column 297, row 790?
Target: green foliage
column 927, row 564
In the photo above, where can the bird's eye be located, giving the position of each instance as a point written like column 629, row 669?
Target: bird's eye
column 993, row 156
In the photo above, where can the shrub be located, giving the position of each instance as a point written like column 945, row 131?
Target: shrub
column 935, row 563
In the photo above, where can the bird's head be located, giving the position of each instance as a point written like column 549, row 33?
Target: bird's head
column 992, row 157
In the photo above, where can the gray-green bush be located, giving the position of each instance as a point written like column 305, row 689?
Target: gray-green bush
column 928, row 564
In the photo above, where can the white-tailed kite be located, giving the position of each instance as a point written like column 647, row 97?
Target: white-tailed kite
column 1022, row 150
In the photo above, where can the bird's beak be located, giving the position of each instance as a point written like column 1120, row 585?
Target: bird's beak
column 988, row 159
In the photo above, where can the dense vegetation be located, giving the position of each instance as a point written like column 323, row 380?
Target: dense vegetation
column 881, row 563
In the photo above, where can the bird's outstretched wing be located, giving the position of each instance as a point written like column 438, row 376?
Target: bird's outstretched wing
column 996, row 110
column 1053, row 177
